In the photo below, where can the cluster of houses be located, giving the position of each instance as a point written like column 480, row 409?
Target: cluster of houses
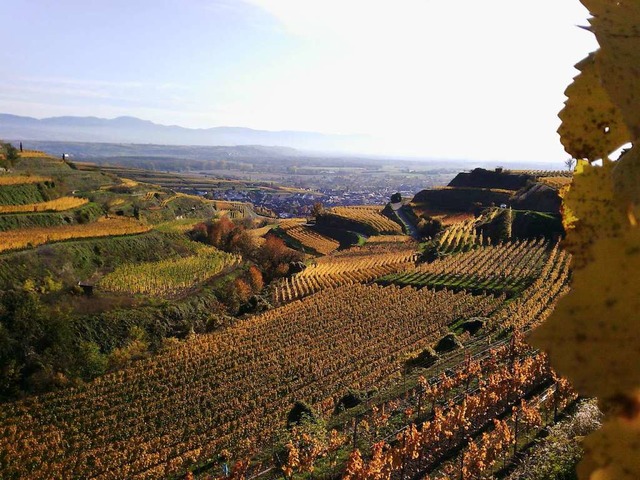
column 298, row 204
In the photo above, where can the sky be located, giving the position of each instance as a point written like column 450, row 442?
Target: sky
column 459, row 79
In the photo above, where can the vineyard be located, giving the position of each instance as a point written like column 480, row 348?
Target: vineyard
column 371, row 217
column 230, row 390
column 22, row 179
column 177, row 226
column 465, row 422
column 220, row 390
column 343, row 269
column 389, row 239
column 234, row 210
column 150, row 331
column 432, row 352
column 556, row 182
column 446, row 218
column 505, row 268
column 460, row 236
column 35, row 154
column 127, row 182
column 308, row 238
column 170, row 277
column 472, row 426
column 476, row 189
column 537, row 302
column 31, row 237
column 57, row 205
column 545, row 173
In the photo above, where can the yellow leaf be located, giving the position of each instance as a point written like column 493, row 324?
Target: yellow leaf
column 613, row 452
column 618, row 17
column 593, row 336
column 591, row 212
column 568, row 218
column 592, row 126
column 617, row 29
column 581, row 164
column 619, row 58
column 626, row 183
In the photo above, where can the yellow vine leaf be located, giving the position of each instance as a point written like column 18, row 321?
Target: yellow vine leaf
column 592, row 126
column 617, row 28
column 591, row 212
column 581, row 164
column 569, row 220
column 593, row 336
column 613, row 452
column 614, row 17
column 620, row 57
column 626, row 184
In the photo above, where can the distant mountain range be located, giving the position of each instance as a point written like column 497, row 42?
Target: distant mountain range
column 135, row 130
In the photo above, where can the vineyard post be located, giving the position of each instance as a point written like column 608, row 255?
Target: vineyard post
column 515, row 433
column 468, row 380
column 280, row 464
column 404, row 380
column 433, row 404
column 512, row 353
column 556, row 394
column 404, row 454
column 546, row 413
column 504, row 456
column 462, row 465
column 356, row 420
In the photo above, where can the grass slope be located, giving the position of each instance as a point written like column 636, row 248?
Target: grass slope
column 72, row 261
column 86, row 213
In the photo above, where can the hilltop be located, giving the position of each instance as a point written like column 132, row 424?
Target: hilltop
column 526, row 204
column 481, row 188
column 135, row 130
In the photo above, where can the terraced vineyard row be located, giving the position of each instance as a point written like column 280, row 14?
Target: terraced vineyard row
column 545, row 173
column 335, row 271
column 508, row 268
column 226, row 389
column 460, row 236
column 308, row 238
column 168, row 277
column 418, row 449
column 537, row 302
column 37, row 154
column 389, row 239
column 104, row 227
column 22, row 179
column 556, row 182
column 526, row 311
column 369, row 216
column 452, row 396
column 234, row 210
column 57, row 205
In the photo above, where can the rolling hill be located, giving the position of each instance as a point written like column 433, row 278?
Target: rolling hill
column 135, row 130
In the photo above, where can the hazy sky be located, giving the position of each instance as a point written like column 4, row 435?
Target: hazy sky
column 470, row 79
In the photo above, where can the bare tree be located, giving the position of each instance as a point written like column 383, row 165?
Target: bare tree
column 570, row 163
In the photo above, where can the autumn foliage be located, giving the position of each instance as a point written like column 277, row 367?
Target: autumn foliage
column 274, row 257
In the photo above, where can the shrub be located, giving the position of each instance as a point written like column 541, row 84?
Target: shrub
column 300, row 412
column 473, row 325
column 448, row 343
column 424, row 359
column 9, row 155
column 350, row 400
